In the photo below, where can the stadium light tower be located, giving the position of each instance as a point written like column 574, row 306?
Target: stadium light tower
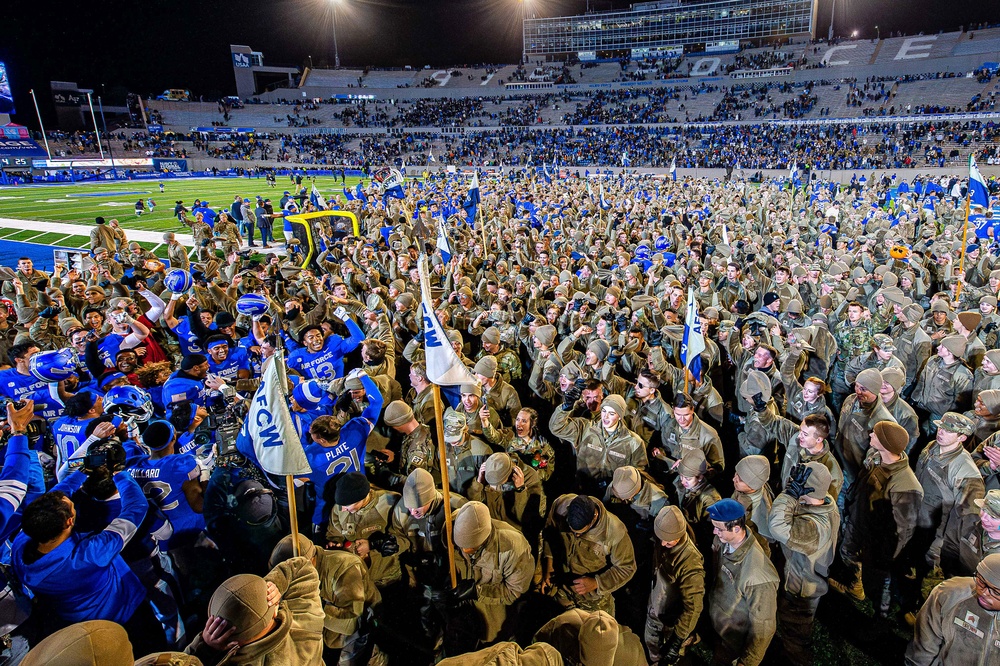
column 336, row 51
column 833, row 12
column 524, row 43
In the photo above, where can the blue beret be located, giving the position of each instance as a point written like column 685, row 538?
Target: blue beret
column 726, row 510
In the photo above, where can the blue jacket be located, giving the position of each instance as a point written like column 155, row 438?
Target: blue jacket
column 85, row 577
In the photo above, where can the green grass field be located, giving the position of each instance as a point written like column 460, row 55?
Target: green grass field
column 80, row 204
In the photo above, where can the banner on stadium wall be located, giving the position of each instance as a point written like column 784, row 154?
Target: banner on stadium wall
column 154, row 129
column 225, row 130
column 165, row 164
column 761, row 73
column 586, row 56
column 67, row 97
column 20, row 148
column 15, row 132
column 93, row 164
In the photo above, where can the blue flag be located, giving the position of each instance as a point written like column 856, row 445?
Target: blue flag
column 979, row 195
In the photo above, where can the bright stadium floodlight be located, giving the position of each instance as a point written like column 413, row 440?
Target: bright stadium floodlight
column 336, row 51
column 854, row 34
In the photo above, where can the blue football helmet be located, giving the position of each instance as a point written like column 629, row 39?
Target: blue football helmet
column 252, row 304
column 53, row 366
column 642, row 252
column 129, row 401
column 177, row 280
column 662, row 244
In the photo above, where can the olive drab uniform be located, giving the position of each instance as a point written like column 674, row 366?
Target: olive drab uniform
column 952, row 628
column 603, row 552
column 678, row 595
column 345, row 528
column 742, row 604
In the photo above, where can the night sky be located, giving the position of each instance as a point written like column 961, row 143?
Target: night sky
column 150, row 45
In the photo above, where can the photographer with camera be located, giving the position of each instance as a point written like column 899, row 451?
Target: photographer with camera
column 21, row 477
column 77, row 574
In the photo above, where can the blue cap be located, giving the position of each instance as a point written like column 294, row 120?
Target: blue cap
column 726, row 510
column 308, row 393
column 972, row 248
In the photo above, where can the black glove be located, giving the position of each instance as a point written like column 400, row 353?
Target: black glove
column 51, row 312
column 759, row 404
column 573, row 394
column 621, row 323
column 383, row 543
column 419, row 337
column 609, row 317
column 670, row 649
column 614, row 355
column 751, row 258
column 528, row 318
column 796, row 485
column 344, row 402
column 655, row 338
column 466, row 591
column 42, row 285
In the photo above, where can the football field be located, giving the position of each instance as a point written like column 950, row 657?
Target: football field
column 81, row 203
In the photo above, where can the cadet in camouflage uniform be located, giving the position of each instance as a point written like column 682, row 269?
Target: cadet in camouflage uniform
column 854, row 337
column 417, row 450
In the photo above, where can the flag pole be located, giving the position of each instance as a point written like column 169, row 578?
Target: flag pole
column 965, row 234
column 293, row 513
column 445, row 490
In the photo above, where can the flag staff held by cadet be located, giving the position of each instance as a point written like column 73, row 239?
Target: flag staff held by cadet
column 443, row 369
column 977, row 190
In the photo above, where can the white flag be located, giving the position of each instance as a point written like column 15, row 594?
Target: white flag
column 444, row 368
column 269, row 424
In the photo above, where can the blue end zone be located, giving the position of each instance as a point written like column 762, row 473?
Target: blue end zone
column 41, row 255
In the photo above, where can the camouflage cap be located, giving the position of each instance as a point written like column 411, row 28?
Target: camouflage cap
column 990, row 503
column 884, row 342
column 455, row 427
column 956, row 423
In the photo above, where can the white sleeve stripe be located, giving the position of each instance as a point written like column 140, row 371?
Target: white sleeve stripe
column 123, row 528
column 14, row 498
column 13, row 484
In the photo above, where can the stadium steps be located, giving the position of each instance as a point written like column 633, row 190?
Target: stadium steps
column 878, row 47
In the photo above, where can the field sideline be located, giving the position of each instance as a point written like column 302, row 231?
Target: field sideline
column 81, row 203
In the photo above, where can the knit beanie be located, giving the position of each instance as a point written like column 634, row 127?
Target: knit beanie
column 598, row 639
column 491, row 335
column 545, row 335
column 498, row 468
column 615, row 402
column 892, row 436
column 991, row 398
column 669, row 524
column 91, row 643
column 871, row 379
column 754, row 471
column 472, row 525
column 894, row 377
column 693, row 463
column 819, row 480
column 351, row 489
column 487, row 367
column 283, row 550
column 626, row 482
column 397, row 413
column 242, row 602
column 418, row 490
column 600, row 348
column 956, row 344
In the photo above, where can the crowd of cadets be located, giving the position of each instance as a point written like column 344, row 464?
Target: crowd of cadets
column 608, row 507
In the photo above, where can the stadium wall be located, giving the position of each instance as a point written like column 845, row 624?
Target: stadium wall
column 840, row 176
